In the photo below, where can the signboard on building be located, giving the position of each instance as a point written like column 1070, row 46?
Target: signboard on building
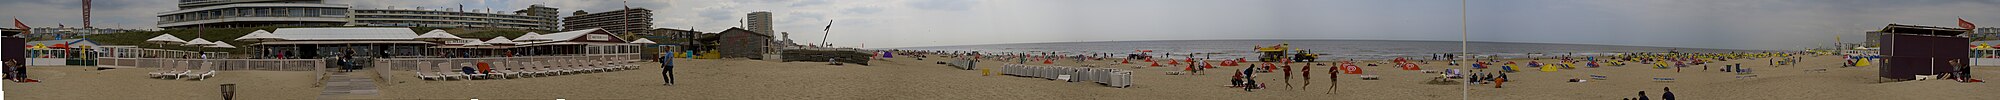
column 597, row 37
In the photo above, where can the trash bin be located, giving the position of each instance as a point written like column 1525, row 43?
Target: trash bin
column 228, row 91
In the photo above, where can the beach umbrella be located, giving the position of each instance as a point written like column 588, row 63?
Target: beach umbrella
column 499, row 40
column 437, row 35
column 220, row 44
column 643, row 41
column 198, row 42
column 167, row 39
column 477, row 43
column 260, row 35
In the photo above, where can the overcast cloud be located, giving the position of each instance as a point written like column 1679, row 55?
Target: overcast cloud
column 1731, row 24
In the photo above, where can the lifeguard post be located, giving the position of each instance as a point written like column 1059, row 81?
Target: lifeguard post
column 1910, row 50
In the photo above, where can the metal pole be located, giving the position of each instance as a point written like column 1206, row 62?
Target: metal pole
column 1464, row 89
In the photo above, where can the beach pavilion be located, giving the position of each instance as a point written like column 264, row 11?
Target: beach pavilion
column 366, row 44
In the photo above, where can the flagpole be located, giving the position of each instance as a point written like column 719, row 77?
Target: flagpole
column 1464, row 89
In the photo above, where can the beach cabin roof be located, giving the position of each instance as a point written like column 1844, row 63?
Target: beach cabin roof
column 11, row 31
column 1924, row 30
column 309, row 34
column 72, row 43
column 585, row 35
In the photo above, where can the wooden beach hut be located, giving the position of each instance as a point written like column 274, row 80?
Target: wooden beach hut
column 1910, row 50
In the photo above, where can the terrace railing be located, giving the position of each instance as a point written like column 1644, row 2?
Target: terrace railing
column 410, row 64
column 385, row 66
column 221, row 64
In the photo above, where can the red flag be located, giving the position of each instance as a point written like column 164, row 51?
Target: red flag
column 23, row 27
column 1961, row 23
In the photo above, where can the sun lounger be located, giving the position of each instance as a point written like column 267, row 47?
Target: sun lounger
column 547, row 68
column 1745, row 76
column 1598, row 77
column 601, row 66
column 170, row 67
column 178, row 67
column 543, row 68
column 499, row 71
column 207, row 69
column 183, row 74
column 448, row 71
column 1663, row 79
column 472, row 72
column 515, row 69
column 539, row 69
column 424, row 71
column 564, row 67
column 526, row 69
column 1370, row 77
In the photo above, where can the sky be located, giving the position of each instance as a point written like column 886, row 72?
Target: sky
column 1725, row 24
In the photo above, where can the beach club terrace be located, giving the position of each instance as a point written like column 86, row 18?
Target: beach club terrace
column 400, row 49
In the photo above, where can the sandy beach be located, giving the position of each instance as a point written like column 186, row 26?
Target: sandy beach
column 85, row 83
column 908, row 78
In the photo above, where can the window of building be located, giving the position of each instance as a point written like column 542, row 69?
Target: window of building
column 310, row 12
column 335, row 12
column 298, row 12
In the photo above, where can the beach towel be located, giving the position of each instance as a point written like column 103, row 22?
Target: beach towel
column 484, row 68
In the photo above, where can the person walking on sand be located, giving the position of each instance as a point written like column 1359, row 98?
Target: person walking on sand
column 1306, row 74
column 1333, row 77
column 1288, row 76
column 667, row 70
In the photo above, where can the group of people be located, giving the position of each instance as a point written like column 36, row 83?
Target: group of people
column 1663, row 96
column 1246, row 78
column 1495, row 78
column 15, row 71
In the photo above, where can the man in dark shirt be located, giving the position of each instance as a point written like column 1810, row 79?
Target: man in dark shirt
column 1642, row 95
column 667, row 69
column 1667, row 96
